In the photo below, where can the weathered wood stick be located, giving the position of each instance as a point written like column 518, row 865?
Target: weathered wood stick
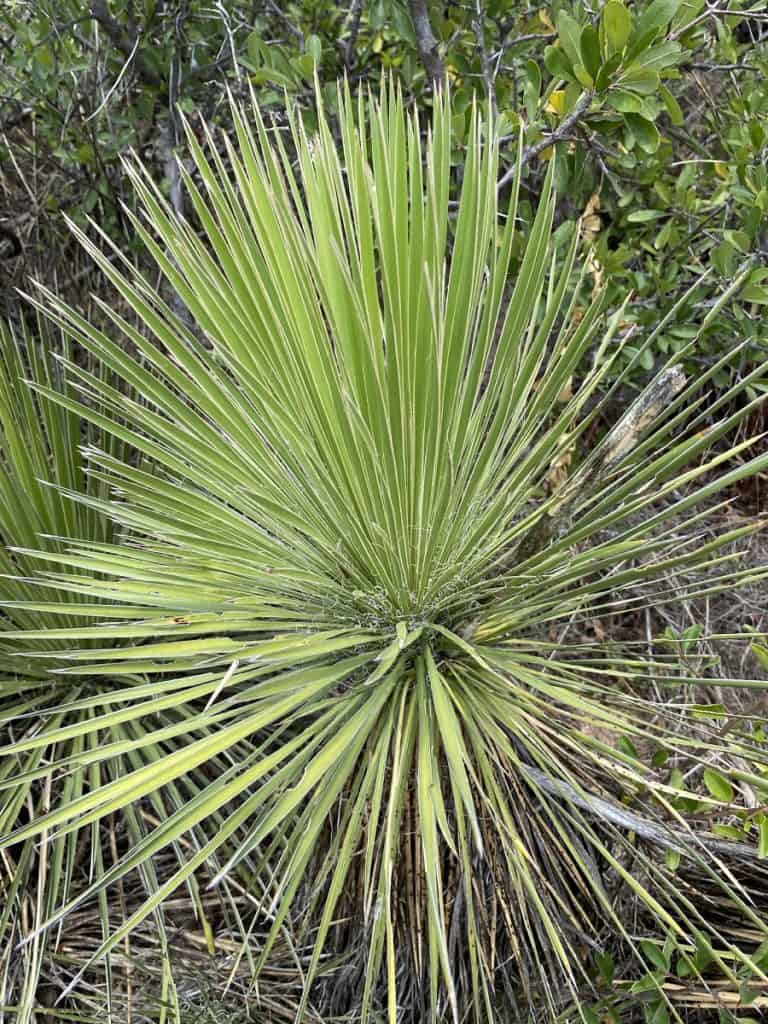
column 669, row 838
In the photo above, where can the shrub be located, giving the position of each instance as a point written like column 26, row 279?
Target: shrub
column 351, row 561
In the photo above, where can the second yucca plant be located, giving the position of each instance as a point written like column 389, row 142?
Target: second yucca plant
column 341, row 538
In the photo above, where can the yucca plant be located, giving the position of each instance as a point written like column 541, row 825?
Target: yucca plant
column 341, row 542
column 43, row 482
column 40, row 444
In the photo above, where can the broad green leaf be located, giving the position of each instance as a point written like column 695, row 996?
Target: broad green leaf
column 625, row 102
column 615, row 27
column 755, row 293
column 569, row 33
column 673, row 107
column 718, row 785
column 656, row 16
column 557, row 63
column 589, row 47
column 645, row 132
column 655, row 955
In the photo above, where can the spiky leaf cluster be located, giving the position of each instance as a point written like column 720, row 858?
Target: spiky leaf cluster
column 341, row 540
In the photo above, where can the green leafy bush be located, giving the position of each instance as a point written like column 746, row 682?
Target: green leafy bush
column 338, row 607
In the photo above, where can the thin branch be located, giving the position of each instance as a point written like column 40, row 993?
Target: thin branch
column 724, row 67
column 527, row 37
column 127, row 44
column 560, row 132
column 669, row 838
column 293, row 29
column 722, row 12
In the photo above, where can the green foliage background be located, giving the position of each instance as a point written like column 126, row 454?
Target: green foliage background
column 658, row 113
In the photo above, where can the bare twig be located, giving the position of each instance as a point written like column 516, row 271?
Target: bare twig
column 713, row 11
column 724, row 67
column 293, row 29
column 669, row 838
column 526, row 37
column 562, row 131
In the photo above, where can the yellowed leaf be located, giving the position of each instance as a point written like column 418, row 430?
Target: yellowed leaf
column 591, row 226
column 558, row 469
column 545, row 19
column 556, row 102
column 595, row 270
column 593, row 204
